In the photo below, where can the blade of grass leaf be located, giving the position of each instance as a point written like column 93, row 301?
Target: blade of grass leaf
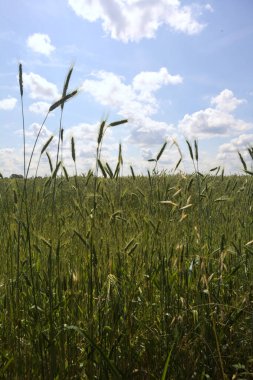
column 56, row 170
column 166, row 366
column 242, row 161
column 102, row 168
column 50, row 162
column 178, row 163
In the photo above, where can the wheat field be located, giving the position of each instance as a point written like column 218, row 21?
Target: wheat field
column 136, row 277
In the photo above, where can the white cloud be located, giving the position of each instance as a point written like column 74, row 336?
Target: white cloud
column 40, row 88
column 132, row 20
column 31, row 133
column 34, row 129
column 216, row 121
column 148, row 132
column 228, row 152
column 8, row 104
column 135, row 101
column 40, row 43
column 226, row 101
column 39, row 108
column 151, row 81
column 241, row 143
column 147, row 153
column 209, row 8
column 11, row 161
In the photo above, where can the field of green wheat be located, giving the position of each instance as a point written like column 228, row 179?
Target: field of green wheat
column 139, row 277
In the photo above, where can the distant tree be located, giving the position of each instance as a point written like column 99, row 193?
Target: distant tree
column 16, row 176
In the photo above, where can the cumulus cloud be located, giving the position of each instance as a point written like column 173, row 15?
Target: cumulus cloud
column 241, row 143
column 148, row 131
column 10, row 161
column 147, row 153
column 40, row 88
column 31, row 133
column 228, row 152
column 135, row 101
column 226, row 101
column 8, row 104
column 131, row 99
column 151, row 81
column 132, row 20
column 40, row 43
column 215, row 121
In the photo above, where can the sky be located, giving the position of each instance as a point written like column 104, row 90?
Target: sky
column 175, row 69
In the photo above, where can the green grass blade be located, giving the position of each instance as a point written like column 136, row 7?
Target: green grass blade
column 109, row 170
column 56, row 170
column 178, row 163
column 166, row 366
column 132, row 172
column 50, row 162
column 242, row 161
column 102, row 168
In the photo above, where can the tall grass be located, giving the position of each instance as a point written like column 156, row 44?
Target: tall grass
column 139, row 277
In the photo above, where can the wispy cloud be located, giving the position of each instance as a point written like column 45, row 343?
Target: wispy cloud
column 40, row 43
column 8, row 104
column 39, row 88
column 132, row 20
column 39, row 107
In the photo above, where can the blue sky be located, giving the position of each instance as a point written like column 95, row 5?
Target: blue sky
column 175, row 69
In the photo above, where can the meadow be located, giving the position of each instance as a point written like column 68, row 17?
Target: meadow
column 138, row 277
